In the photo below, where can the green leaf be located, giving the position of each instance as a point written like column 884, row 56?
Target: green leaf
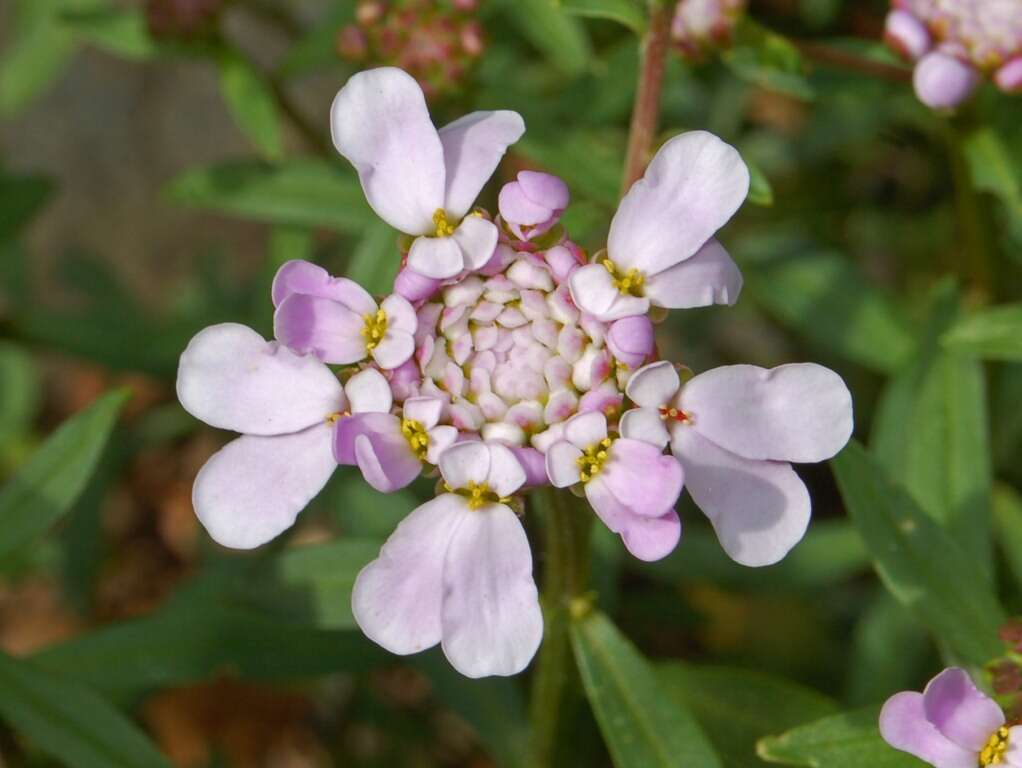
column 993, row 170
column 376, row 259
column 251, row 102
column 626, row 12
column 992, row 334
column 589, row 161
column 70, row 722
column 46, row 487
column 38, row 48
column 120, row 31
column 19, row 392
column 642, row 725
column 561, row 38
column 1008, row 519
column 848, row 740
column 318, row 48
column 825, row 297
column 21, row 198
column 931, row 432
column 737, row 707
column 760, row 191
column 923, row 567
column 303, row 192
column 766, row 59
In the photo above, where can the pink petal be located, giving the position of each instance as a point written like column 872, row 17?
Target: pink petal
column 904, row 726
column 642, row 478
column 654, row 385
column 440, row 439
column 800, row 412
column 380, row 123
column 647, row 538
column 473, row 146
column 232, row 378
column 516, row 207
column 492, row 622
column 644, row 424
column 631, row 340
column 299, row 276
column 759, row 509
column 593, row 291
column 585, row 429
column 707, row 278
column 960, row 711
column 400, row 314
column 397, row 598
column 425, row 410
column 465, row 463
column 253, row 488
column 943, row 81
column 545, row 189
column 368, row 391
column 415, row 287
column 394, row 349
column 694, row 184
column 386, row 459
column 438, row 258
column 324, row 328
column 1009, row 77
column 907, row 34
column 534, row 464
column 477, row 239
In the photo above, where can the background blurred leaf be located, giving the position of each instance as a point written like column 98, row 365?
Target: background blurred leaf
column 760, row 191
column 561, row 38
column 642, row 726
column 38, row 49
column 993, row 334
column 120, row 31
column 767, row 59
column 994, row 170
column 21, row 198
column 627, row 12
column 19, row 393
column 375, row 261
column 919, row 563
column 317, row 49
column 848, row 740
column 1008, row 520
column 70, row 722
column 46, row 487
column 588, row 161
column 251, row 102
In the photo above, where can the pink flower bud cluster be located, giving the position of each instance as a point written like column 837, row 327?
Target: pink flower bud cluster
column 181, row 19
column 955, row 43
column 700, row 26
column 435, row 42
column 506, row 358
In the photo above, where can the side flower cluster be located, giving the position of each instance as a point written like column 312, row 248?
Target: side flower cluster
column 505, row 359
column 700, row 26
column 955, row 43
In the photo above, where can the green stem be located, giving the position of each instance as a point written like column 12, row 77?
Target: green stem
column 973, row 259
column 566, row 526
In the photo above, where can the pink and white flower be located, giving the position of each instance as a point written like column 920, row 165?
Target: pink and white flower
column 660, row 250
column 735, row 429
column 419, row 180
column 630, row 483
column 532, row 204
column 458, row 571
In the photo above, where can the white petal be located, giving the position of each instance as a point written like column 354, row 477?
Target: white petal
column 644, row 424
column 709, row 277
column 562, row 464
column 397, row 598
column 394, row 349
column 585, row 429
column 253, row 488
column 593, row 291
column 477, row 239
column 400, row 314
column 473, row 146
column 654, row 385
column 436, row 257
column 492, row 622
column 759, row 509
column 694, row 184
column 232, row 378
column 369, row 392
column 425, row 410
column 440, row 439
column 465, row 463
column 506, row 475
column 380, row 123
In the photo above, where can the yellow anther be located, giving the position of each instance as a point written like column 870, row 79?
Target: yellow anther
column 996, row 746
column 375, row 328
column 417, row 437
column 592, row 459
column 333, row 418
column 443, row 227
column 478, row 495
column 629, row 282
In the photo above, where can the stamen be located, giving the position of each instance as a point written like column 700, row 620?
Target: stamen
column 592, row 459
column 333, row 418
column 478, row 495
column 416, row 436
column 629, row 283
column 443, row 227
column 674, row 414
column 996, row 746
column 375, row 328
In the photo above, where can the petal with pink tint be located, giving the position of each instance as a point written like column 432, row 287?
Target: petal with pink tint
column 440, row 439
column 943, row 81
column 324, row 328
column 516, row 207
column 253, row 488
column 505, row 475
column 380, row 123
column 491, row 619
column 1009, row 77
column 644, row 424
column 593, row 291
column 546, row 189
column 425, row 410
column 534, row 464
column 400, row 314
column 693, row 185
column 631, row 340
column 298, row 276
column 438, row 258
column 906, row 34
column 960, row 711
column 368, row 391
column 759, row 509
column 642, row 478
column 232, row 378
column 647, row 538
column 562, row 464
column 585, row 429
column 800, row 412
column 386, row 459
column 904, row 726
column 465, row 463
column 415, row 287
column 707, row 278
column 477, row 239
column 473, row 146
column 395, row 349
column 654, row 385
column 397, row 598
column 348, row 430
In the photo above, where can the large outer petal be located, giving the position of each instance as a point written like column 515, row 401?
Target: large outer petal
column 253, row 488
column 904, row 726
column 709, row 277
column 298, row 276
column 800, row 412
column 473, row 146
column 642, row 478
column 961, row 711
column 647, row 538
column 232, row 378
column 322, row 327
column 759, row 509
column 380, row 123
column 694, row 184
column 397, row 598
column 492, row 622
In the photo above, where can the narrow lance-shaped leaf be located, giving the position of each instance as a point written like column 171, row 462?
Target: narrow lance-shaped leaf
column 626, row 12
column 561, row 38
column 992, row 334
column 46, row 487
column 921, row 565
column 251, row 102
column 643, row 726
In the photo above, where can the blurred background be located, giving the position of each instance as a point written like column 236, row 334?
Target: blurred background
column 159, row 160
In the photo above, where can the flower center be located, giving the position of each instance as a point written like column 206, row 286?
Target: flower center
column 443, row 227
column 478, row 494
column 993, row 752
column 333, row 418
column 674, row 414
column 375, row 328
column 629, row 282
column 416, row 436
column 592, row 459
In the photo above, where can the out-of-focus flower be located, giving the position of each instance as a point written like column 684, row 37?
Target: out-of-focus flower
column 951, row 724
column 181, row 19
column 437, row 43
column 955, row 42
column 700, row 26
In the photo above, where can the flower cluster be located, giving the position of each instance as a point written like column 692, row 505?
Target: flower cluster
column 951, row 724
column 505, row 359
column 955, row 42
column 436, row 42
column 700, row 26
